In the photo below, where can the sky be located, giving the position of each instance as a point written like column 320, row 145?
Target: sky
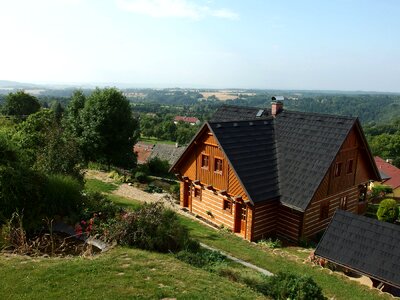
column 266, row 44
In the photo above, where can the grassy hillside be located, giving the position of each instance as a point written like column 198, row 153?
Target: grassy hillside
column 121, row 273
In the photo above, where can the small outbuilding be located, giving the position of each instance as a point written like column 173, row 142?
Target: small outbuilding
column 366, row 246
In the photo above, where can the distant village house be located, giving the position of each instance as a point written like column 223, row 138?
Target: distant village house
column 190, row 120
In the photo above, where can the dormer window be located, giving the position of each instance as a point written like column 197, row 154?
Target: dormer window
column 205, row 161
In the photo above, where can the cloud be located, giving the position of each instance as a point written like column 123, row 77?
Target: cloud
column 174, row 8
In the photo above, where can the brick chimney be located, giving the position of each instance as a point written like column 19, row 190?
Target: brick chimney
column 276, row 105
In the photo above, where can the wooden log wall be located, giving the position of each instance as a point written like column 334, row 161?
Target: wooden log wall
column 211, row 201
column 312, row 221
column 289, row 223
column 265, row 217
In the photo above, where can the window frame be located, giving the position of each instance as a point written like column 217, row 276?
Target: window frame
column 215, row 165
column 350, row 163
column 205, row 155
column 343, row 203
column 324, row 210
column 227, row 205
column 338, row 169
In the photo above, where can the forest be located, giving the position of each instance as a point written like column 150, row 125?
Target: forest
column 154, row 110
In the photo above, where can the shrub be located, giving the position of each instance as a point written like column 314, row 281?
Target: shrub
column 175, row 190
column 290, row 286
column 388, row 211
column 96, row 203
column 381, row 190
column 62, row 195
column 203, row 258
column 151, row 188
column 158, row 167
column 151, row 227
column 141, row 177
column 270, row 243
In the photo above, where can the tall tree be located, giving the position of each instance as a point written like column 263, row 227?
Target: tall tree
column 72, row 119
column 48, row 148
column 20, row 104
column 108, row 128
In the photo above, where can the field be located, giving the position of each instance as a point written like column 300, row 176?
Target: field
column 225, row 95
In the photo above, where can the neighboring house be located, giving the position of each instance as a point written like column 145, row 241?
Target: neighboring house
column 146, row 151
column 275, row 172
column 190, row 120
column 143, row 151
column 167, row 152
column 390, row 175
column 364, row 245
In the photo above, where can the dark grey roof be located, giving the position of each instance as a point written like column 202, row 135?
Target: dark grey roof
column 383, row 175
column 306, row 144
column 251, row 149
column 234, row 113
column 167, row 152
column 363, row 244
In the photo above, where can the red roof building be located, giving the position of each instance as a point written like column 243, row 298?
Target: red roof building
column 143, row 151
column 191, row 120
column 389, row 173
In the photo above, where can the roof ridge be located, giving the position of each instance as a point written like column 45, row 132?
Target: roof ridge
column 269, row 118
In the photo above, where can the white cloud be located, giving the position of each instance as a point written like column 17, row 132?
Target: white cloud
column 174, row 8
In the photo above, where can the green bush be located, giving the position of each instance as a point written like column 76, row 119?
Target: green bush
column 62, row 195
column 381, row 190
column 175, row 190
column 141, row 177
column 152, row 227
column 270, row 243
column 151, row 188
column 284, row 286
column 158, row 167
column 96, row 203
column 388, row 211
column 203, row 258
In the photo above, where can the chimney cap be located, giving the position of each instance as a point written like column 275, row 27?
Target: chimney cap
column 277, row 98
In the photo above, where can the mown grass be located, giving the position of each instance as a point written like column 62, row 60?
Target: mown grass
column 96, row 185
column 122, row 273
column 333, row 286
column 155, row 141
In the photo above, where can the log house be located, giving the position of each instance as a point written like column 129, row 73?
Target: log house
column 274, row 172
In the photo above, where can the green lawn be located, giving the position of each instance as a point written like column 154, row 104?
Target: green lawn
column 332, row 285
column 155, row 141
column 96, row 185
column 122, row 273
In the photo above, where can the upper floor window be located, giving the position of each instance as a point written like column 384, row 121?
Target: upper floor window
column 350, row 165
column 204, row 161
column 218, row 165
column 338, row 169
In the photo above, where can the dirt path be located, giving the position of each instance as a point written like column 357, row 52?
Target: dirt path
column 131, row 192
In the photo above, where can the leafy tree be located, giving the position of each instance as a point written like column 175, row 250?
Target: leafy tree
column 20, row 104
column 388, row 211
column 47, row 146
column 72, row 119
column 58, row 110
column 20, row 188
column 108, row 128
